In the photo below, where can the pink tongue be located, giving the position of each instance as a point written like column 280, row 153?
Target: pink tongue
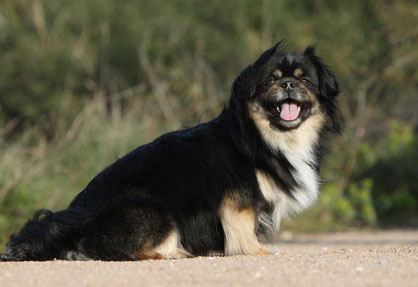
column 289, row 112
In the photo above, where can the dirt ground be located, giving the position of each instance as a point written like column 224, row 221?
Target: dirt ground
column 384, row 258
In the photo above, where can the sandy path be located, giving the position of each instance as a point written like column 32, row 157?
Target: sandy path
column 344, row 259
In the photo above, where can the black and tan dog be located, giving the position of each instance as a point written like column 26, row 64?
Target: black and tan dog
column 221, row 187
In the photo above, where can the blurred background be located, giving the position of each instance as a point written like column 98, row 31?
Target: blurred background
column 84, row 82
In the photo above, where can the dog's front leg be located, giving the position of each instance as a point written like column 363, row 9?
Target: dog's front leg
column 239, row 228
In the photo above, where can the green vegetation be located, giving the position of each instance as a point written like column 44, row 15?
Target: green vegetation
column 83, row 82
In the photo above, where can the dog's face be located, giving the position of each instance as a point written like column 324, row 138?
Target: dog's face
column 287, row 89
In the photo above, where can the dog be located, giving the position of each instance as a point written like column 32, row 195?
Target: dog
column 221, row 187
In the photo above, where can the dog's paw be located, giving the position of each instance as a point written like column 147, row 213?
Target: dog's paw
column 274, row 249
column 268, row 250
column 263, row 251
column 75, row 256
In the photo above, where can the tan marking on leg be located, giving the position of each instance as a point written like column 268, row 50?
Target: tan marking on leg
column 144, row 256
column 144, row 252
column 239, row 227
column 168, row 249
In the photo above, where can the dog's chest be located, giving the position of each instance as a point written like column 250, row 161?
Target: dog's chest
column 298, row 147
column 304, row 194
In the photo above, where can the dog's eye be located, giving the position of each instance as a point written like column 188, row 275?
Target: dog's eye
column 271, row 81
column 305, row 81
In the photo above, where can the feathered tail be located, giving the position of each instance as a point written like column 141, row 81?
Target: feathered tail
column 48, row 235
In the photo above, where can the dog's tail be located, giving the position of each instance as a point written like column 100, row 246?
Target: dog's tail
column 48, row 235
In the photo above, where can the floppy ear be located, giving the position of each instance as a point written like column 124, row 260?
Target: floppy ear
column 328, row 85
column 245, row 84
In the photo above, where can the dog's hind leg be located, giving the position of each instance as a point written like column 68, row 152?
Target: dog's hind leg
column 132, row 233
column 168, row 248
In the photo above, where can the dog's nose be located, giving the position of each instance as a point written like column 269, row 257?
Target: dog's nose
column 288, row 85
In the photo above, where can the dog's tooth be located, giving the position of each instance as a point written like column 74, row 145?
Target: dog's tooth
column 298, row 109
column 278, row 109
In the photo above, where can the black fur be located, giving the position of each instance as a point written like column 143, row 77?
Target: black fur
column 177, row 181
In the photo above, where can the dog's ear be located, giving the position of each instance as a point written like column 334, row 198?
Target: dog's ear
column 266, row 55
column 328, row 85
column 245, row 84
column 309, row 51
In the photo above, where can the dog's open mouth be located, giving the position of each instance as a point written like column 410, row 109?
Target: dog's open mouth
column 291, row 110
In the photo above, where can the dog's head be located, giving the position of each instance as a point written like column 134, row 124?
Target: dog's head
column 287, row 89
